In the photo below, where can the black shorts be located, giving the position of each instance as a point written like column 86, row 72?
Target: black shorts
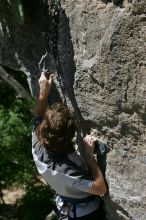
column 96, row 215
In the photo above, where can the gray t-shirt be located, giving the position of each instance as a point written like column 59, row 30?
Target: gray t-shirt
column 66, row 177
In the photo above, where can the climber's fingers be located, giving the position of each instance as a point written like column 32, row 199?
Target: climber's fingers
column 50, row 80
column 89, row 143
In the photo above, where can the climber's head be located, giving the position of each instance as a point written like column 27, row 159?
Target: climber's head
column 57, row 129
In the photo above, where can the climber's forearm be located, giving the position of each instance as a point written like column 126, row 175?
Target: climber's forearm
column 41, row 105
column 98, row 186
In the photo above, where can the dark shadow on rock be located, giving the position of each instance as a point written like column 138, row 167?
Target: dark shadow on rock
column 54, row 95
column 7, row 33
column 67, row 64
column 25, row 43
column 112, row 209
column 117, row 3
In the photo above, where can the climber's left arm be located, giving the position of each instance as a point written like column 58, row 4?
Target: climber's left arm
column 45, row 84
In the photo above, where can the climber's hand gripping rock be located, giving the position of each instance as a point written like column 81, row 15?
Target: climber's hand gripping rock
column 89, row 144
column 45, row 83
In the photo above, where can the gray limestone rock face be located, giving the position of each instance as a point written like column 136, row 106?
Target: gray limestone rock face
column 102, row 52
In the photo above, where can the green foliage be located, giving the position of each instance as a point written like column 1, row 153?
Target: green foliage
column 7, row 95
column 54, row 217
column 16, row 164
column 36, row 204
column 17, row 9
column 16, row 161
column 19, row 76
column 15, row 145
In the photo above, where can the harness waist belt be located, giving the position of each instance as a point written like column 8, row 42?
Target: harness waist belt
column 82, row 200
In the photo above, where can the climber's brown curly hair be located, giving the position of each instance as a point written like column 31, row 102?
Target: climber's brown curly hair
column 57, row 129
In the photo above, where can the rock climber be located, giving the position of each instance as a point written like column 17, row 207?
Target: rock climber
column 77, row 190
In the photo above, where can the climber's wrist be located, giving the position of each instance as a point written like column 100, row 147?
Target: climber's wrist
column 41, row 106
column 44, row 95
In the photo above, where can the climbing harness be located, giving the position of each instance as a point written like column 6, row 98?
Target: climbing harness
column 74, row 202
column 71, row 203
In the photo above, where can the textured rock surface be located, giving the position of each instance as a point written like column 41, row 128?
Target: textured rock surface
column 103, row 58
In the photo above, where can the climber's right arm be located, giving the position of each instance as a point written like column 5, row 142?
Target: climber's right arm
column 98, row 185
